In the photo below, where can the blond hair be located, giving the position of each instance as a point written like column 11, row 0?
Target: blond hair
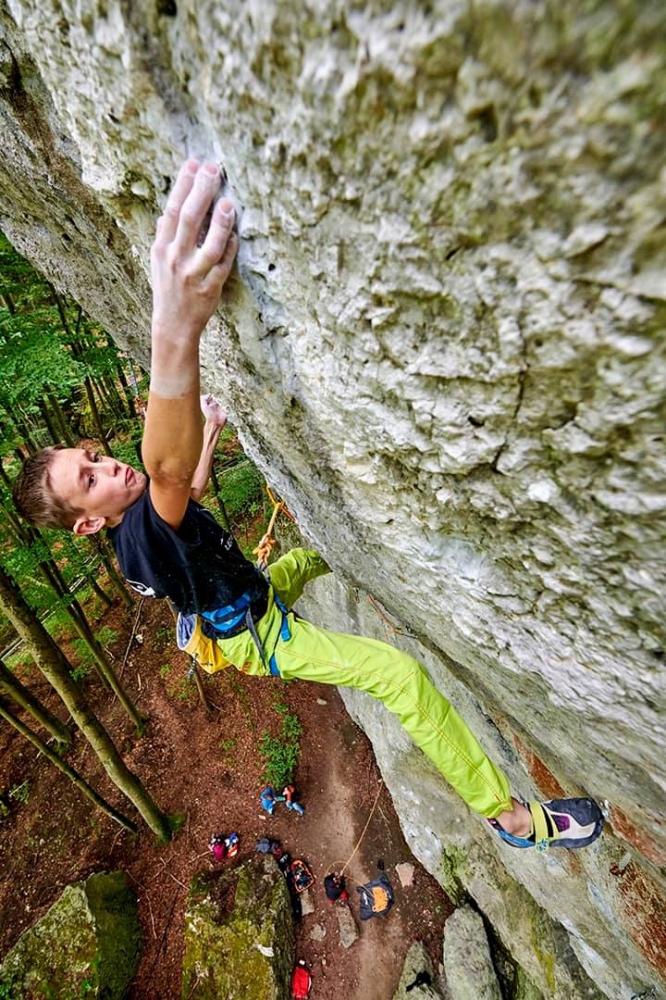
column 34, row 496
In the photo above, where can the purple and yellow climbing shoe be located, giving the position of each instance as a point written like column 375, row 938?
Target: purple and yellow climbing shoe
column 567, row 823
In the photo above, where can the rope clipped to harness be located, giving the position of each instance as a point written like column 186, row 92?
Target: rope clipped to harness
column 263, row 553
column 267, row 544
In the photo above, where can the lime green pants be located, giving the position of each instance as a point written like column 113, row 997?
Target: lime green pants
column 393, row 677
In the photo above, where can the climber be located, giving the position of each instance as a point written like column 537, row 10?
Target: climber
column 167, row 544
column 335, row 887
column 269, row 799
column 289, row 797
column 224, row 847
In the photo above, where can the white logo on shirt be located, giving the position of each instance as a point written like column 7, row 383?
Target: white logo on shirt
column 142, row 589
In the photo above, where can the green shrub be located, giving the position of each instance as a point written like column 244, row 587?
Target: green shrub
column 281, row 753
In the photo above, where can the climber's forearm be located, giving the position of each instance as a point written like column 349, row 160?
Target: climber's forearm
column 211, row 435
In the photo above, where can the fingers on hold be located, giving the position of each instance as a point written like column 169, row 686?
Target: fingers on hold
column 227, row 259
column 184, row 183
column 219, row 253
column 197, row 205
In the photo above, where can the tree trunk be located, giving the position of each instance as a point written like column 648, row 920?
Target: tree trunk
column 55, row 668
column 58, row 419
column 129, row 398
column 53, row 576
column 104, row 549
column 63, row 766
column 92, row 403
column 54, row 431
column 11, row 685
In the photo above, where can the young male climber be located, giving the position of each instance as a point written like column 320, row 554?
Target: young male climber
column 167, row 544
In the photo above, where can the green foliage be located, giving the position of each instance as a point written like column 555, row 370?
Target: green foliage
column 242, row 488
column 281, row 753
column 126, row 450
column 85, row 658
column 106, row 635
column 20, row 793
column 7, row 987
column 291, row 729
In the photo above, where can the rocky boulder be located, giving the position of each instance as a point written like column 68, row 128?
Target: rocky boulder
column 88, row 944
column 467, row 963
column 418, row 980
column 239, row 934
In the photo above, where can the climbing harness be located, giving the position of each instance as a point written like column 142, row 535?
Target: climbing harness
column 197, row 634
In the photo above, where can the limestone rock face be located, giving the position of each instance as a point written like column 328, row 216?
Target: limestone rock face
column 444, row 346
column 467, row 962
column 239, row 934
column 88, row 944
column 418, row 981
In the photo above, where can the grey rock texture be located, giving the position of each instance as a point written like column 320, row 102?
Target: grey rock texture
column 346, row 926
column 468, row 966
column 444, row 346
column 87, row 944
column 239, row 934
column 411, row 986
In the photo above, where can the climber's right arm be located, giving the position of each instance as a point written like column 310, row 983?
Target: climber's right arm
column 187, row 280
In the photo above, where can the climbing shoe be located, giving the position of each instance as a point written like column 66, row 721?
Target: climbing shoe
column 559, row 823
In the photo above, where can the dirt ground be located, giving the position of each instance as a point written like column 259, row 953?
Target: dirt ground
column 206, row 767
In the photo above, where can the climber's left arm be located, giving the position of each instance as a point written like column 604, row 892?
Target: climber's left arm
column 216, row 418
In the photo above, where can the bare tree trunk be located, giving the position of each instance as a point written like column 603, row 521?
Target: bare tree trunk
column 53, row 576
column 63, row 766
column 104, row 549
column 55, row 668
column 200, row 688
column 11, row 685
column 58, row 419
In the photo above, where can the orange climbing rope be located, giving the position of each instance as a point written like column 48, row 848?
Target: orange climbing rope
column 267, row 544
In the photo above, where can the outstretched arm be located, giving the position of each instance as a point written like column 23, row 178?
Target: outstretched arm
column 187, row 283
column 216, row 418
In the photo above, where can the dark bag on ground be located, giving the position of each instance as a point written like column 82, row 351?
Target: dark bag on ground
column 376, row 898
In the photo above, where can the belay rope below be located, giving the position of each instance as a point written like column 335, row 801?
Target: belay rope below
column 341, row 871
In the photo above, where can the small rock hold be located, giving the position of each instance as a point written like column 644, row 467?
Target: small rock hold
column 307, row 904
column 318, row 932
column 405, row 873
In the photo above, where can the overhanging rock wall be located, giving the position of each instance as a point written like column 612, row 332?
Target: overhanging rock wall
column 444, row 347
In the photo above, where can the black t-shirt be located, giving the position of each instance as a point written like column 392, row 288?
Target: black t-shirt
column 200, row 566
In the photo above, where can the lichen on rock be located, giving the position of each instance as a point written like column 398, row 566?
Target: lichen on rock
column 239, row 934
column 88, row 944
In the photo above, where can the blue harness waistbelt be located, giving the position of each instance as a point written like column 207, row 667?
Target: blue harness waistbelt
column 231, row 620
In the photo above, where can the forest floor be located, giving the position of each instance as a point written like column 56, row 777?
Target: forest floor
column 207, row 767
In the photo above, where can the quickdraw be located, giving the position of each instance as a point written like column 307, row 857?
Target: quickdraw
column 267, row 544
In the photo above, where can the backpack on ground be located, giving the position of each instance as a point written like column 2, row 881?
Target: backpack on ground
column 301, row 982
column 300, row 875
column 376, row 898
